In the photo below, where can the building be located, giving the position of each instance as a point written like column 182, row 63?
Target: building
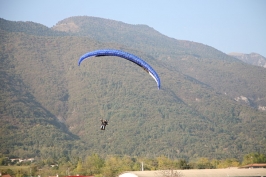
column 5, row 175
column 79, row 176
column 232, row 172
column 255, row 165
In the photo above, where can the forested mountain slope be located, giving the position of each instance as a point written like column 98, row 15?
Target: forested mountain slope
column 201, row 109
column 199, row 61
column 28, row 128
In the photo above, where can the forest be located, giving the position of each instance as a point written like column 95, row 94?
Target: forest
column 210, row 105
column 114, row 165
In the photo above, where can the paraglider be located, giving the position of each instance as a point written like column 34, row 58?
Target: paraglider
column 125, row 55
column 104, row 123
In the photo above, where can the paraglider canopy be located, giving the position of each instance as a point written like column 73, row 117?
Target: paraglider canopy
column 125, row 55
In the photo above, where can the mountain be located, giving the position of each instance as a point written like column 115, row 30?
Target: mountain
column 210, row 104
column 253, row 58
column 28, row 129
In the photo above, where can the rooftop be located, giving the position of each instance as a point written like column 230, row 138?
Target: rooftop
column 234, row 172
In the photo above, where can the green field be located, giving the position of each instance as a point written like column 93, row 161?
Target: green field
column 14, row 167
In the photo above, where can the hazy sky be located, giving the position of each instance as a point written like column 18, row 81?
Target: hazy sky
column 227, row 25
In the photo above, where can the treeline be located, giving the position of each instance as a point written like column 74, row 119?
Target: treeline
column 113, row 165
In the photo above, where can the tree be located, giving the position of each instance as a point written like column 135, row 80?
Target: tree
column 204, row 163
column 228, row 163
column 254, row 158
column 165, row 163
column 79, row 168
column 183, row 164
column 94, row 164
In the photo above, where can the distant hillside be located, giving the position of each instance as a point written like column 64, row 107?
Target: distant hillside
column 253, row 58
column 210, row 105
column 136, row 37
column 28, row 28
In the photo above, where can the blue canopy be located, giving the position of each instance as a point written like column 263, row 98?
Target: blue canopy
column 125, row 55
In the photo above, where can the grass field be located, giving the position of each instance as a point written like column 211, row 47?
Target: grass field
column 14, row 167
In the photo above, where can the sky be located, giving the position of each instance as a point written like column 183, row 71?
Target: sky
column 227, row 25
